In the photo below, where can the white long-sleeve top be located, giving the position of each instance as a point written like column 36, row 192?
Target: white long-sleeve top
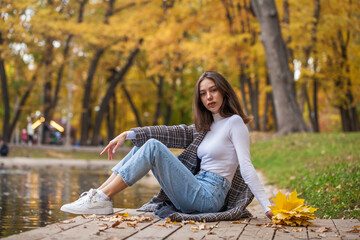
column 225, row 147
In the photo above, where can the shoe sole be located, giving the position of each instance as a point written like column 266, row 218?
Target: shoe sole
column 92, row 211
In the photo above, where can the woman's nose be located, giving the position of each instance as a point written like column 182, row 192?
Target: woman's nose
column 209, row 96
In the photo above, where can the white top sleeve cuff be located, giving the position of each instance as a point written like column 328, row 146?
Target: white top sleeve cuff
column 130, row 135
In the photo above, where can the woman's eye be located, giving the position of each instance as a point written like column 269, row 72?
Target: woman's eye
column 214, row 90
column 202, row 94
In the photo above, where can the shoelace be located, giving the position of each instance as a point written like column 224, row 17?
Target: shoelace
column 89, row 193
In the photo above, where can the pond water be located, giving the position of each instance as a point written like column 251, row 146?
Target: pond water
column 31, row 197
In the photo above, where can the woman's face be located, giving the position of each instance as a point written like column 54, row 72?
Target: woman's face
column 210, row 95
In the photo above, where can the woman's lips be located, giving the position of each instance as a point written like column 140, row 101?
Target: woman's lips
column 211, row 104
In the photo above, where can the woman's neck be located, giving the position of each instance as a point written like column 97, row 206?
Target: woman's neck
column 217, row 117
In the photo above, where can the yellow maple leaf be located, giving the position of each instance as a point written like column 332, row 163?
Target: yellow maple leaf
column 291, row 211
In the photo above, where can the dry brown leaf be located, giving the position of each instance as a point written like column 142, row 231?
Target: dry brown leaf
column 297, row 230
column 62, row 229
column 194, row 228
column 89, row 216
column 323, row 229
column 354, row 230
column 132, row 224
column 161, row 224
column 236, row 222
column 104, row 228
column 68, row 221
column 115, row 224
column 211, row 233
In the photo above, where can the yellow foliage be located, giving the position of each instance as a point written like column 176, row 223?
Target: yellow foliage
column 291, row 211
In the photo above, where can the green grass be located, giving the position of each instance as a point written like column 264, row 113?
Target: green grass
column 323, row 168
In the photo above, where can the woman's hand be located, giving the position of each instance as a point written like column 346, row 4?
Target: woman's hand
column 114, row 145
column 269, row 214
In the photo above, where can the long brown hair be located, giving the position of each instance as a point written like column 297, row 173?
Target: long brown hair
column 202, row 117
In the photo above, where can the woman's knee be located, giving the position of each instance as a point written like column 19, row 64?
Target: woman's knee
column 153, row 142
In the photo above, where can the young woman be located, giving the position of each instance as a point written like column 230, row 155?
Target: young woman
column 213, row 179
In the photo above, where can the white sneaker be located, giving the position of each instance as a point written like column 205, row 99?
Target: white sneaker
column 89, row 203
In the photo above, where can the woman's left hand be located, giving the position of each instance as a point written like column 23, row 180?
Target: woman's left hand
column 269, row 214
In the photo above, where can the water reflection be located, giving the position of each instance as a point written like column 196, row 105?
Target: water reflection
column 32, row 197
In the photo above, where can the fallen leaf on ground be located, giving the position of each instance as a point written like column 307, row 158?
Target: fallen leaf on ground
column 297, row 230
column 88, row 216
column 161, row 224
column 122, row 215
column 324, row 229
column 104, row 228
column 68, row 221
column 62, row 229
column 236, row 222
column 132, row 224
column 291, row 211
column 115, row 224
column 354, row 230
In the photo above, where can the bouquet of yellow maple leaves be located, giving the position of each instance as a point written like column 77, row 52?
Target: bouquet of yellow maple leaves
column 292, row 211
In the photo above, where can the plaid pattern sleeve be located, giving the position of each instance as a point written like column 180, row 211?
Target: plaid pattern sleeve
column 179, row 136
column 237, row 199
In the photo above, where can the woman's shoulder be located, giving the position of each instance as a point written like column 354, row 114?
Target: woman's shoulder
column 236, row 119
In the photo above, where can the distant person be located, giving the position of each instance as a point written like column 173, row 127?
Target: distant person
column 4, row 149
column 24, row 136
column 213, row 179
column 30, row 134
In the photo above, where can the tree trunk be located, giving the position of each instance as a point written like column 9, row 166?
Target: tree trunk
column 132, row 105
column 48, row 58
column 170, row 100
column 159, row 87
column 269, row 102
column 62, row 66
column 313, row 115
column 5, row 97
column 242, row 80
column 348, row 112
column 115, row 79
column 86, row 111
column 85, row 116
column 59, row 77
column 287, row 109
column 111, row 119
column 23, row 101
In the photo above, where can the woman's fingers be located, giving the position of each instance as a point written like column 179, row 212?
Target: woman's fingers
column 104, row 150
column 269, row 214
column 110, row 156
column 116, row 146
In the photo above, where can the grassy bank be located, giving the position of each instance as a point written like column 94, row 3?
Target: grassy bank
column 323, row 168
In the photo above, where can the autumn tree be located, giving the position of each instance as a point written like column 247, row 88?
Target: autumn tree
column 288, row 112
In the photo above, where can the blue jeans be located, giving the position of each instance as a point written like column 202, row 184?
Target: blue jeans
column 204, row 192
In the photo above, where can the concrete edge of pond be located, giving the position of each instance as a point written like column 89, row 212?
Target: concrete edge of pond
column 24, row 161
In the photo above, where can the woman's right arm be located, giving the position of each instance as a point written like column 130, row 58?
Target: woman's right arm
column 179, row 136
